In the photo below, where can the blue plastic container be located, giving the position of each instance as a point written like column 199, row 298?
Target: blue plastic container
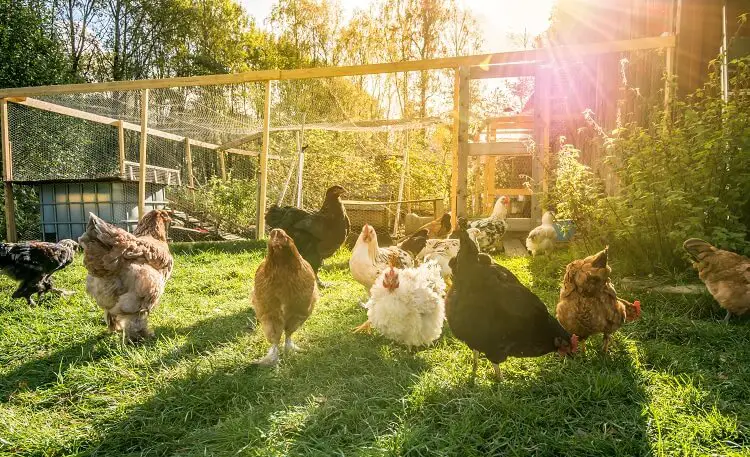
column 565, row 229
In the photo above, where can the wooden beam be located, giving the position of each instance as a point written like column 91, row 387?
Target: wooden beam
column 464, row 101
column 189, row 164
column 555, row 53
column 91, row 117
column 508, row 70
column 10, row 204
column 222, row 165
column 500, row 148
column 489, row 182
column 513, row 192
column 142, row 155
column 542, row 118
column 263, row 165
column 454, row 151
column 121, row 147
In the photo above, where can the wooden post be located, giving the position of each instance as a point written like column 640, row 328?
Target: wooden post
column 263, row 165
column 10, row 204
column 300, row 164
column 404, row 169
column 463, row 140
column 189, row 160
column 454, row 150
column 541, row 137
column 142, row 155
column 121, row 146
column 223, row 165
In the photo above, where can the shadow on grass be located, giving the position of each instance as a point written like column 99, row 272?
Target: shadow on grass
column 182, row 248
column 339, row 390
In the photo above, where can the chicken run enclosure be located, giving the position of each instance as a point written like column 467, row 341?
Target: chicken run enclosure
column 119, row 148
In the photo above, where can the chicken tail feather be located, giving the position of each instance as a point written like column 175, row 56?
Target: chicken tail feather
column 698, row 248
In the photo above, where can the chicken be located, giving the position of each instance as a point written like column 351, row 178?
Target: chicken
column 368, row 260
column 127, row 272
column 284, row 295
column 317, row 235
column 588, row 303
column 407, row 305
column 438, row 228
column 492, row 229
column 443, row 250
column 726, row 275
column 33, row 264
column 542, row 239
column 493, row 313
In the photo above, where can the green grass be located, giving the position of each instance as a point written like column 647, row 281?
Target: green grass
column 677, row 382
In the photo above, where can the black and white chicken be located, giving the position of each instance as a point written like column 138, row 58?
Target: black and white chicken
column 33, row 263
column 492, row 228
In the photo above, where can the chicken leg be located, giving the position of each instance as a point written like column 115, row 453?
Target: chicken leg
column 364, row 328
column 727, row 317
column 289, row 345
column 605, row 347
column 271, row 358
column 474, row 365
column 498, row 373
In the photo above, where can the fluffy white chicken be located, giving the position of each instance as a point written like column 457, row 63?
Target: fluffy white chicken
column 368, row 260
column 407, row 305
column 541, row 240
column 442, row 251
column 492, row 229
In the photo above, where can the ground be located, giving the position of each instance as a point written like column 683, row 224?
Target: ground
column 677, row 382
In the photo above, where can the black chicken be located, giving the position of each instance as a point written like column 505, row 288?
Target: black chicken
column 493, row 313
column 33, row 263
column 317, row 235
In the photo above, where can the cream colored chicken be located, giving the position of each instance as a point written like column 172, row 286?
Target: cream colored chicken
column 726, row 275
column 541, row 240
column 127, row 272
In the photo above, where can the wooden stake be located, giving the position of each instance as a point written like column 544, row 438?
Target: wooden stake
column 541, row 136
column 300, row 163
column 463, row 140
column 142, row 155
column 263, row 165
column 10, row 204
column 189, row 160
column 121, row 146
column 223, row 165
column 454, row 150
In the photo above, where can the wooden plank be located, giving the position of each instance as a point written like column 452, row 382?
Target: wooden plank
column 512, row 192
column 263, row 165
column 142, row 155
column 556, row 53
column 541, row 136
column 489, row 182
column 464, row 101
column 500, row 148
column 121, row 147
column 222, row 165
column 10, row 204
column 508, row 70
column 91, row 117
column 454, row 150
column 189, row 164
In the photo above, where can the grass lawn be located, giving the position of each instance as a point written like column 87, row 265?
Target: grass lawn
column 677, row 382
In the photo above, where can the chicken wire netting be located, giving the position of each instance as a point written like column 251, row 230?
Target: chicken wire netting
column 373, row 134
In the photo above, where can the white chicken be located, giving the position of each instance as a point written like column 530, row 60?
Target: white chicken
column 407, row 305
column 442, row 251
column 368, row 260
column 492, row 228
column 541, row 240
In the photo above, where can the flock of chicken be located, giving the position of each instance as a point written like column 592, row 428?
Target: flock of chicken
column 485, row 306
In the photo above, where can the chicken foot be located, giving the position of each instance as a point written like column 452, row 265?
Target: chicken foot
column 498, row 373
column 289, row 345
column 271, row 358
column 727, row 317
column 605, row 347
column 364, row 328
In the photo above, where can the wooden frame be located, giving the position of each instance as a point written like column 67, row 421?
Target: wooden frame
column 464, row 101
column 189, row 164
column 260, row 226
column 142, row 155
column 121, row 146
column 10, row 204
column 540, row 54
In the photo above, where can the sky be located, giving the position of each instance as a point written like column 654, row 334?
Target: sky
column 497, row 18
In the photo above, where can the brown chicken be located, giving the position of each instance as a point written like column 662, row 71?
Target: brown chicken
column 726, row 275
column 588, row 301
column 127, row 272
column 284, row 294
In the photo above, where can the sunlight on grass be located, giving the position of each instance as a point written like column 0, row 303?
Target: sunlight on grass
column 676, row 382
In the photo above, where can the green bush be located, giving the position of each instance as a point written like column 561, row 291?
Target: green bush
column 683, row 176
